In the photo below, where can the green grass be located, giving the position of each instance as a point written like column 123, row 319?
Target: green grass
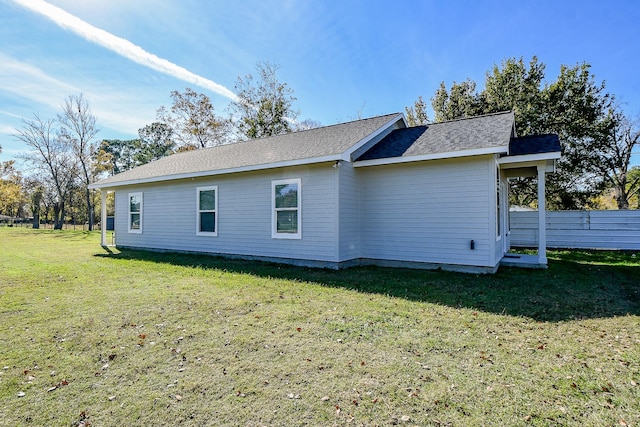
column 137, row 338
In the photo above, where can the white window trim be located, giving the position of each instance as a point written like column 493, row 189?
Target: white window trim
column 215, row 211
column 274, row 216
column 139, row 194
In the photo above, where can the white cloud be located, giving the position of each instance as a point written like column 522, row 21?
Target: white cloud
column 121, row 46
column 30, row 82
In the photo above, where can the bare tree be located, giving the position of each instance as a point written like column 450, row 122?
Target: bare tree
column 614, row 159
column 53, row 158
column 78, row 127
column 193, row 121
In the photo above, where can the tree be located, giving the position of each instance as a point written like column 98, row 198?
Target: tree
column 53, row 158
column 417, row 114
column 461, row 101
column 193, row 121
column 305, row 124
column 78, row 127
column 614, row 159
column 155, row 142
column 12, row 198
column 574, row 106
column 514, row 87
column 114, row 156
column 633, row 180
column 265, row 105
column 35, row 193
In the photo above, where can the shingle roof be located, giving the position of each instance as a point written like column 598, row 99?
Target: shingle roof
column 483, row 132
column 534, row 144
column 320, row 143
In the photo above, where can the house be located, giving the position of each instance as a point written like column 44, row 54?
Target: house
column 371, row 191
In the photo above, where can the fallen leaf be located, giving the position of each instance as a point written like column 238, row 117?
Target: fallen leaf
column 299, row 329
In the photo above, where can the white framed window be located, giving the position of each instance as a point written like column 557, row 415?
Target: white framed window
column 286, row 202
column 207, row 211
column 135, row 212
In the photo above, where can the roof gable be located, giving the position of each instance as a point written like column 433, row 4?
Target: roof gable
column 490, row 133
column 309, row 146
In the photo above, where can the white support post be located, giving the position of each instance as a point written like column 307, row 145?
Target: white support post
column 542, row 221
column 103, row 217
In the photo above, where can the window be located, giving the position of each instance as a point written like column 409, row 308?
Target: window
column 286, row 202
column 135, row 212
column 207, row 211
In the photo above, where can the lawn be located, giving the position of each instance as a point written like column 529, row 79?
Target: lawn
column 96, row 338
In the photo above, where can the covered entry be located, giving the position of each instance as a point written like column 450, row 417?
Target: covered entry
column 531, row 156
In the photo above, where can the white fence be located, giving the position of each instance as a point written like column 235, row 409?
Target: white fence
column 579, row 229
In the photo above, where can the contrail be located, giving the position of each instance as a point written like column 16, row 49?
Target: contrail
column 121, row 46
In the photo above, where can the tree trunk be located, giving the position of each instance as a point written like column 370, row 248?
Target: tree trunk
column 57, row 223
column 621, row 199
column 89, row 208
column 36, row 219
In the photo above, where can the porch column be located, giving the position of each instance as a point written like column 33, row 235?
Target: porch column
column 542, row 221
column 103, row 217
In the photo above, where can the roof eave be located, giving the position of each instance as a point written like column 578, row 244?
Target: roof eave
column 434, row 156
column 530, row 158
column 199, row 174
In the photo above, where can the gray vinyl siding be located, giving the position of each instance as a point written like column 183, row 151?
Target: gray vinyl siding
column 244, row 215
column 429, row 212
column 349, row 214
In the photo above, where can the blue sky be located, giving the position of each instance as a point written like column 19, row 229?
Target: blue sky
column 342, row 58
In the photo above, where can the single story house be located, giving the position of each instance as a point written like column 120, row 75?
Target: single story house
column 371, row 191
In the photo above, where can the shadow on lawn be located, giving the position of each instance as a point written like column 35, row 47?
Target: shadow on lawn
column 575, row 286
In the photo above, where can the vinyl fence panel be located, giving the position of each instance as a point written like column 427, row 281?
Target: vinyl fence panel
column 579, row 229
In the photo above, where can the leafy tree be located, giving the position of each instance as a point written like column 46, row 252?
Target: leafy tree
column 12, row 198
column 264, row 105
column 514, row 87
column 193, row 121
column 461, row 101
column 53, row 158
column 574, row 106
column 633, row 182
column 35, row 193
column 78, row 127
column 114, row 155
column 155, row 142
column 417, row 114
